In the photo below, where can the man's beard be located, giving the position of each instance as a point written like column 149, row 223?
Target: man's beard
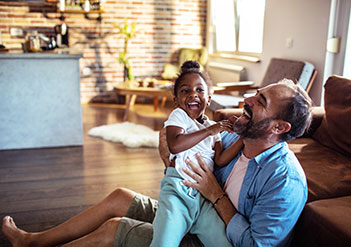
column 252, row 130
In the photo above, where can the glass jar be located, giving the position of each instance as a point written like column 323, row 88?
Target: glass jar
column 33, row 43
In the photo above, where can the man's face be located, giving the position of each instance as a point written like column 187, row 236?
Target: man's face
column 261, row 110
column 252, row 129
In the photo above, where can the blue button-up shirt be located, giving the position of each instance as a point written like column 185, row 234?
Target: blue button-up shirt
column 272, row 196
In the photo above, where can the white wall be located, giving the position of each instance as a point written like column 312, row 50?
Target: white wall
column 306, row 23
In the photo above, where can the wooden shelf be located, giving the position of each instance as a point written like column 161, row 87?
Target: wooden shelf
column 78, row 11
column 82, row 11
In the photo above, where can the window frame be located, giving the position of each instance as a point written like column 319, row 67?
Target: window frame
column 211, row 39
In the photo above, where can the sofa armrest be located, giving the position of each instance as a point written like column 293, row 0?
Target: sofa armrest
column 317, row 117
column 225, row 87
column 223, row 114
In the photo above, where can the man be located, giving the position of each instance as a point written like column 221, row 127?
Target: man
column 259, row 195
column 265, row 182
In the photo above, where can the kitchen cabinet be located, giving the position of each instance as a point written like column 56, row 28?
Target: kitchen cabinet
column 40, row 100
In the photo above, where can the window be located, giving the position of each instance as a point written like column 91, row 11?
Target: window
column 347, row 62
column 236, row 26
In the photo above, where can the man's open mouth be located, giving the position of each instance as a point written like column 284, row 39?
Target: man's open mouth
column 247, row 113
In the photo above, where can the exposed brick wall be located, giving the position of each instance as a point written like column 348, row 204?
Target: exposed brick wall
column 165, row 26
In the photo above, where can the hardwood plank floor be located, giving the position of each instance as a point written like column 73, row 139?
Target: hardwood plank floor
column 41, row 188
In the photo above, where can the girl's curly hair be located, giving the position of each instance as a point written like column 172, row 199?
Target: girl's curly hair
column 188, row 67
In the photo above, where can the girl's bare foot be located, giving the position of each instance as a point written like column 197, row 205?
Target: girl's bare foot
column 15, row 235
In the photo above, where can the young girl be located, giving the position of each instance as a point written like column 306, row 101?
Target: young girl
column 189, row 131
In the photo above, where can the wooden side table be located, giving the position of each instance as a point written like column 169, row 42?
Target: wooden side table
column 131, row 90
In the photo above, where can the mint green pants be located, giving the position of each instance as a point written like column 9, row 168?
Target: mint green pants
column 182, row 209
column 135, row 229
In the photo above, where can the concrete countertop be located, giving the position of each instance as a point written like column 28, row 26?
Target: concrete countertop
column 57, row 54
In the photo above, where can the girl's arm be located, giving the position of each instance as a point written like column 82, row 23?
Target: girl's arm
column 223, row 157
column 179, row 141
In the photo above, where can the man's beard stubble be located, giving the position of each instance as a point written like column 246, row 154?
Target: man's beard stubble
column 252, row 130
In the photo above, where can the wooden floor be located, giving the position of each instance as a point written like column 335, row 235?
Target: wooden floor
column 41, row 188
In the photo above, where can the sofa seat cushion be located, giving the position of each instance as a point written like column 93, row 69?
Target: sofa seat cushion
column 328, row 172
column 325, row 223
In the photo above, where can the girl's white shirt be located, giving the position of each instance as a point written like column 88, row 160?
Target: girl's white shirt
column 180, row 118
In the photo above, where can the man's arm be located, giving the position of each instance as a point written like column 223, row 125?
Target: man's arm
column 225, row 209
column 163, row 148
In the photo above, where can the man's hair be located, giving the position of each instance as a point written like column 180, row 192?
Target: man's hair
column 296, row 111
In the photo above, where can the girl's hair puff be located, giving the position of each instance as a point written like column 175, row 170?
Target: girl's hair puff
column 189, row 67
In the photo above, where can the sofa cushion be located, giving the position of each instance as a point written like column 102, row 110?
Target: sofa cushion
column 335, row 131
column 328, row 172
column 325, row 223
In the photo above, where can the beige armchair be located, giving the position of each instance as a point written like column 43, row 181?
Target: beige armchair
column 170, row 71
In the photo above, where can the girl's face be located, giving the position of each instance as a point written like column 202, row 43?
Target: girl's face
column 192, row 96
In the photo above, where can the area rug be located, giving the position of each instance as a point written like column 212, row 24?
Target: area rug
column 129, row 134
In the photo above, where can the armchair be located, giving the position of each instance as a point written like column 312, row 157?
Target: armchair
column 170, row 71
column 300, row 72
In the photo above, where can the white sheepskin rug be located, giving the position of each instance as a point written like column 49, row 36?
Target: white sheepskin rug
column 129, row 134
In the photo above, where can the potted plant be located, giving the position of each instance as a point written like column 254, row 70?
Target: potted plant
column 126, row 31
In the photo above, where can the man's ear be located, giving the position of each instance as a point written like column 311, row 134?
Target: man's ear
column 280, row 127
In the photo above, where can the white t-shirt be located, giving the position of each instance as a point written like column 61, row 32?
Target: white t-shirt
column 235, row 180
column 180, row 118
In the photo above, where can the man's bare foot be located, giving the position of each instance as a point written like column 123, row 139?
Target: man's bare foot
column 15, row 235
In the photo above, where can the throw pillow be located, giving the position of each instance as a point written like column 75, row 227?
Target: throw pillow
column 335, row 130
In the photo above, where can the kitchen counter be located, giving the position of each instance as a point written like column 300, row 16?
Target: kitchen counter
column 56, row 54
column 40, row 100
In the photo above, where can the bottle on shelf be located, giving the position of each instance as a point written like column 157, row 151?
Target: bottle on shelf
column 62, row 5
column 87, row 5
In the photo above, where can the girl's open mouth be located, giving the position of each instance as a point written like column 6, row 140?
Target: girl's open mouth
column 193, row 105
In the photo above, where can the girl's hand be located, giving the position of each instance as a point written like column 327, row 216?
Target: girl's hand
column 206, row 182
column 221, row 126
column 233, row 119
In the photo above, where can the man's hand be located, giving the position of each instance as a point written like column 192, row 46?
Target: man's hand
column 163, row 147
column 206, row 182
column 221, row 126
column 208, row 186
